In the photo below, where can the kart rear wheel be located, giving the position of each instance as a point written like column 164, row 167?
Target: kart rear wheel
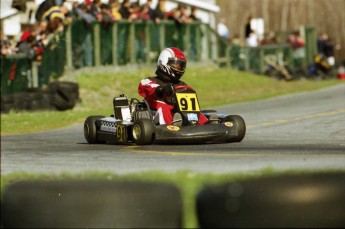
column 143, row 131
column 239, row 124
column 90, row 131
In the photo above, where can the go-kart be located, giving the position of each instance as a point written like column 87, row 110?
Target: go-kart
column 133, row 122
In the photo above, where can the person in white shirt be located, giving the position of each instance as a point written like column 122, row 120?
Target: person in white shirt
column 223, row 30
column 252, row 39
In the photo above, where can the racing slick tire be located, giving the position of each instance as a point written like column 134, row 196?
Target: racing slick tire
column 143, row 131
column 305, row 200
column 91, row 204
column 90, row 131
column 64, row 94
column 239, row 124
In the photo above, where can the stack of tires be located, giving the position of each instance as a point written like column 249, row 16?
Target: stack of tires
column 59, row 95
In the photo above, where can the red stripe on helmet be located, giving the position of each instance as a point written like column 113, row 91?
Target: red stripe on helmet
column 178, row 54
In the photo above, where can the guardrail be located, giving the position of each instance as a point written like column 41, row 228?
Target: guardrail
column 137, row 42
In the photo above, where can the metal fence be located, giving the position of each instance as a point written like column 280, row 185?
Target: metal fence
column 137, row 42
column 19, row 73
column 124, row 43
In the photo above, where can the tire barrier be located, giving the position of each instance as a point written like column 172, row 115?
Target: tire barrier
column 64, row 95
column 58, row 95
column 290, row 201
column 91, row 204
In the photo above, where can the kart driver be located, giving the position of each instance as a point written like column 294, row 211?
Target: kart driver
column 157, row 90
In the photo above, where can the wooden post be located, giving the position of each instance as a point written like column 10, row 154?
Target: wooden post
column 97, row 44
column 148, row 41
column 162, row 35
column 69, row 54
column 186, row 40
column 115, row 44
column 132, row 42
column 261, row 59
column 198, row 42
column 34, row 74
column 246, row 59
column 228, row 56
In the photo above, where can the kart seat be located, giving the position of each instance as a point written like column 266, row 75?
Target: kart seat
column 121, row 108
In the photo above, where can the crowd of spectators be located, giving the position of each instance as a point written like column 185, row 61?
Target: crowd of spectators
column 53, row 15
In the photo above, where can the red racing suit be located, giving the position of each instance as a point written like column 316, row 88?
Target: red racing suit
column 162, row 106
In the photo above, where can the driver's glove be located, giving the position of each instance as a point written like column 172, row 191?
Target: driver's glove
column 160, row 91
column 168, row 89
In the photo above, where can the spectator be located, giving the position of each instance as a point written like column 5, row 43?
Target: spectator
column 83, row 13
column 96, row 10
column 75, row 6
column 6, row 47
column 106, row 16
column 85, row 46
column 326, row 47
column 43, row 7
column 194, row 50
column 181, row 15
column 320, row 42
column 41, row 33
column 54, row 12
column 115, row 7
column 160, row 12
column 57, row 16
column 236, row 40
column 25, row 44
column 134, row 10
column 144, row 13
column 252, row 39
column 151, row 11
column 295, row 41
column 223, row 30
column 269, row 39
column 298, row 52
column 248, row 28
column 297, row 45
column 125, row 9
column 56, row 24
column 193, row 16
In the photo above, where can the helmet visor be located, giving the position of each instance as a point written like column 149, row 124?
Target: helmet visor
column 176, row 64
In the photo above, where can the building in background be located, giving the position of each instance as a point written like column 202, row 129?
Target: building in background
column 10, row 19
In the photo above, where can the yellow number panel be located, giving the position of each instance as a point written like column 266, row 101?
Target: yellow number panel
column 188, row 101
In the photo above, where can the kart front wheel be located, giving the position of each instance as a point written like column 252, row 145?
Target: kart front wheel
column 90, row 131
column 143, row 131
column 239, row 124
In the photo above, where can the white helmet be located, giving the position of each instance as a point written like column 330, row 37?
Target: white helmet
column 171, row 63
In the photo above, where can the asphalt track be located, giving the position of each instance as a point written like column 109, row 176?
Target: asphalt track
column 300, row 131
